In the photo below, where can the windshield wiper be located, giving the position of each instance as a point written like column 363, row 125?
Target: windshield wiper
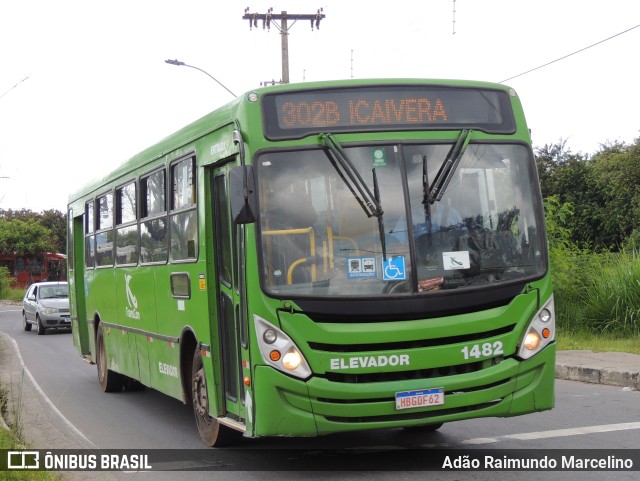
column 351, row 177
column 447, row 169
column 370, row 202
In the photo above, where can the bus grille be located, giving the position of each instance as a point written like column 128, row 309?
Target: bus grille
column 439, row 372
column 441, row 341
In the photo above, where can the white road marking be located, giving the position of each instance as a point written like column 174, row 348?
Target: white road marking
column 557, row 433
column 45, row 398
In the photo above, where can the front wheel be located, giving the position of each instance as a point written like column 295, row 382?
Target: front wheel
column 41, row 330
column 25, row 324
column 211, row 432
column 109, row 380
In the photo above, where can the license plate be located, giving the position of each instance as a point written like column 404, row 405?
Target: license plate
column 420, row 399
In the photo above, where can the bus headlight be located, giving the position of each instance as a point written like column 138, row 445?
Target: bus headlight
column 278, row 350
column 540, row 333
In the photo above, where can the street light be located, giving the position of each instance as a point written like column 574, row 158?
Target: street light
column 180, row 64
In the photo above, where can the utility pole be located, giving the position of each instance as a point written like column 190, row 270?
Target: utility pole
column 284, row 27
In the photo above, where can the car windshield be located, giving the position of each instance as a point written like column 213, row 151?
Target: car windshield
column 317, row 240
column 54, row 292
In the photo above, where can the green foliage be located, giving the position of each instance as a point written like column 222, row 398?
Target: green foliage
column 611, row 295
column 5, row 282
column 599, row 293
column 25, row 237
column 602, row 189
column 54, row 220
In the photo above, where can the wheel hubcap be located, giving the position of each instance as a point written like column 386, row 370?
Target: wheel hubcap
column 200, row 399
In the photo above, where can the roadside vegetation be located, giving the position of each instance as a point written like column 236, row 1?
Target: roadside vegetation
column 12, row 439
column 592, row 208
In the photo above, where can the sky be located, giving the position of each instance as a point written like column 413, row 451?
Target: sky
column 84, row 85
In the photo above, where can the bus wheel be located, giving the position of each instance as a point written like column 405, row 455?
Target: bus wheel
column 109, row 380
column 213, row 434
column 425, row 428
column 41, row 330
column 132, row 385
column 26, row 324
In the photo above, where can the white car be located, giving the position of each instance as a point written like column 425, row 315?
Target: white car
column 46, row 304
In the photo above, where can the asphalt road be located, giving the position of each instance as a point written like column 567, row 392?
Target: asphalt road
column 586, row 416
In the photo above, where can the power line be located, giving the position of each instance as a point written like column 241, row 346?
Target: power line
column 569, row 55
column 5, row 93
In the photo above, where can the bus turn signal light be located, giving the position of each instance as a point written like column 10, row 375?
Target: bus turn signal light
column 274, row 355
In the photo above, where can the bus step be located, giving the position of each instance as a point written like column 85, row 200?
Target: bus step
column 232, row 423
column 88, row 360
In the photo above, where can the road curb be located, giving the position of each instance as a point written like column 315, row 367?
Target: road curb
column 609, row 368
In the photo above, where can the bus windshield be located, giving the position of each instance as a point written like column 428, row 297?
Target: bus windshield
column 316, row 239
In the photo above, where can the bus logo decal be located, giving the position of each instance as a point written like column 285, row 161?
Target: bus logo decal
column 456, row 260
column 132, row 310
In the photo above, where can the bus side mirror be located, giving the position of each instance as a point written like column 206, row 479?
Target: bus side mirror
column 242, row 193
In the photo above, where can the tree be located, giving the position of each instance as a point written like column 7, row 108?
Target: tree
column 52, row 219
column 56, row 221
column 616, row 175
column 25, row 238
column 602, row 190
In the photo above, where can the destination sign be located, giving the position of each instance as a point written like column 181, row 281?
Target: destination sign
column 296, row 114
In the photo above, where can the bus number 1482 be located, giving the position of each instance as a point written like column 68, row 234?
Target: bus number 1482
column 483, row 350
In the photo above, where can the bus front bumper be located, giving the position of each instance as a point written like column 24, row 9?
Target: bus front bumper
column 290, row 407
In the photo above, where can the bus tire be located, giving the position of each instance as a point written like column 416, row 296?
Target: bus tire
column 133, row 385
column 26, row 324
column 212, row 433
column 41, row 330
column 425, row 428
column 109, row 380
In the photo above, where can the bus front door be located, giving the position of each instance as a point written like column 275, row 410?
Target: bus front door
column 229, row 310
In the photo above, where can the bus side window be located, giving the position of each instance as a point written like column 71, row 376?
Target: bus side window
column 104, row 234
column 153, row 228
column 89, row 240
column 126, row 227
column 184, row 226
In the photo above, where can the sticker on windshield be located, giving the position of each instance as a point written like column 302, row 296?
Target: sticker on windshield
column 456, row 260
column 361, row 267
column 393, row 269
column 379, row 157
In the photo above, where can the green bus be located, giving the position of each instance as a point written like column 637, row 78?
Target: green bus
column 324, row 257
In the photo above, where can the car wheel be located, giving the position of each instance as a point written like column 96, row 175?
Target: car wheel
column 25, row 324
column 41, row 330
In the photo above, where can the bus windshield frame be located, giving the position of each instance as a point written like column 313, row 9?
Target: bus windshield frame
column 316, row 240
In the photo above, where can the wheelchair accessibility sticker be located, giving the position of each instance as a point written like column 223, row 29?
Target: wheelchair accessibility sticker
column 361, row 267
column 393, row 269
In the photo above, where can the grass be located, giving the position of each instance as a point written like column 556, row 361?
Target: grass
column 12, row 294
column 598, row 297
column 597, row 342
column 12, row 440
